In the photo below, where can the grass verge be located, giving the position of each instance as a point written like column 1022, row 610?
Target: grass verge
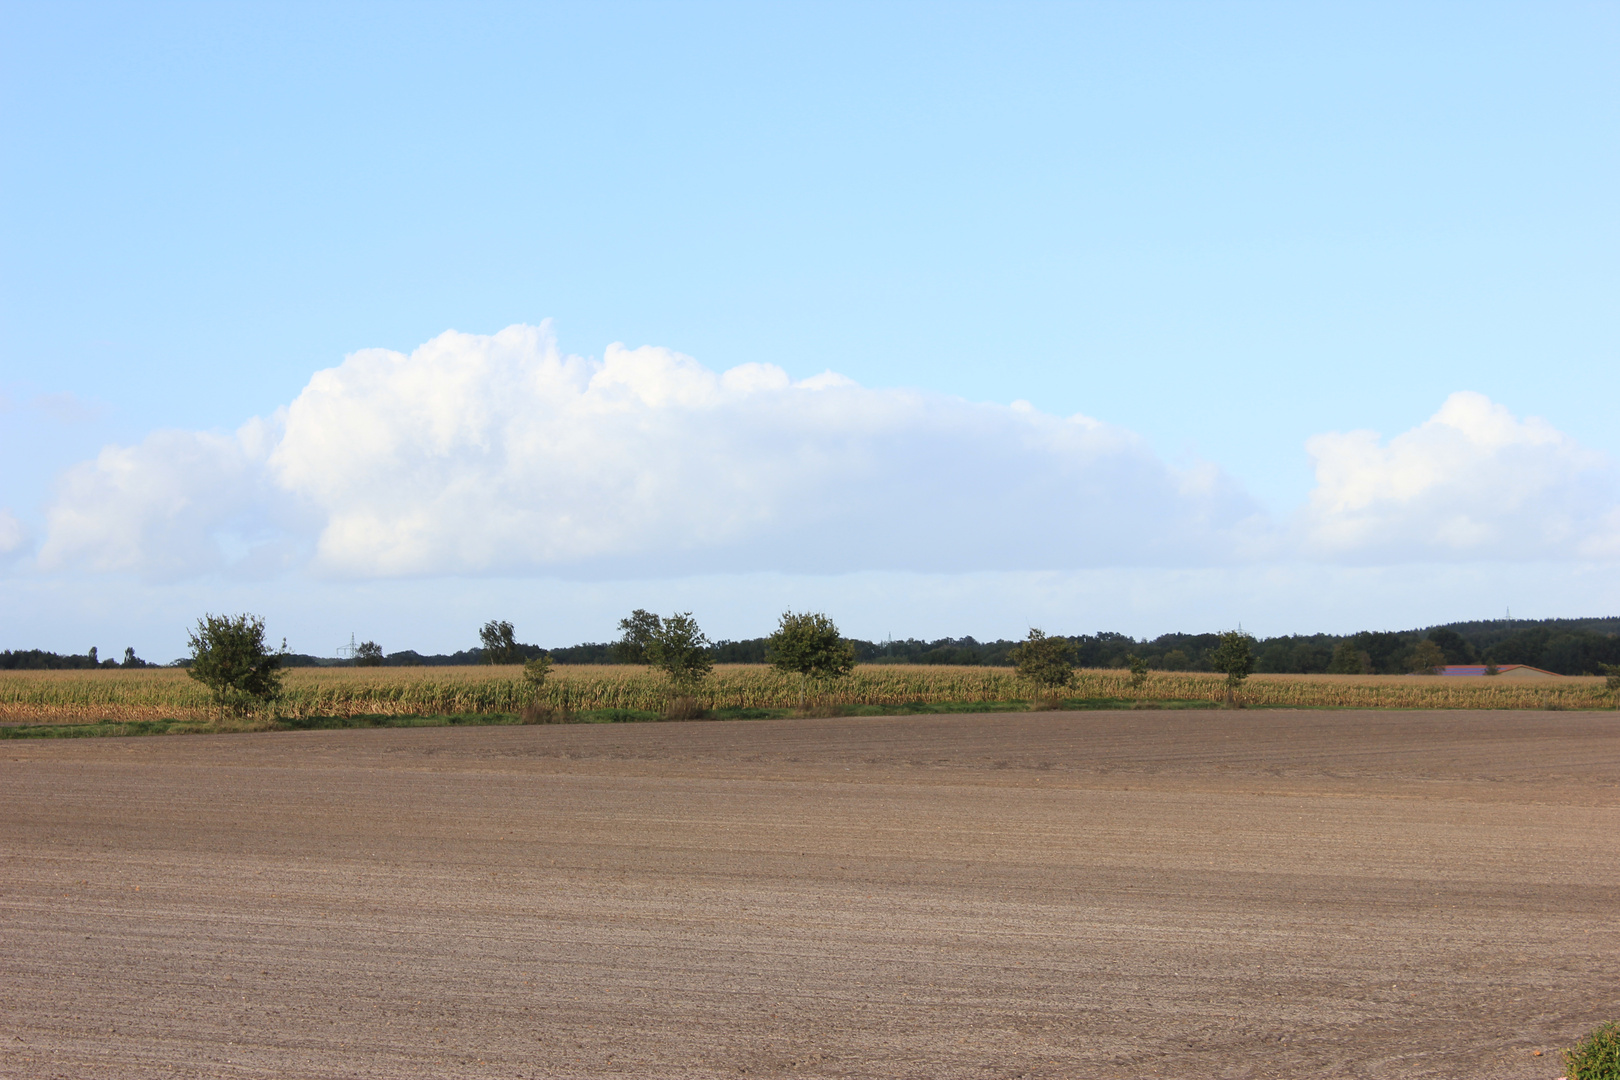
column 122, row 728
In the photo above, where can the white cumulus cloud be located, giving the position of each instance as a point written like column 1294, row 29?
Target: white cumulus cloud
column 500, row 456
column 177, row 504
column 497, row 454
column 1471, row 482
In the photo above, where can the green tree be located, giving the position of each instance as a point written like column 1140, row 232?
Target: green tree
column 1139, row 670
column 636, row 633
column 809, row 645
column 228, row 656
column 1234, row 658
column 1613, row 673
column 1428, row 658
column 680, row 650
column 368, row 654
column 1347, row 659
column 536, row 670
column 499, row 644
column 1048, row 662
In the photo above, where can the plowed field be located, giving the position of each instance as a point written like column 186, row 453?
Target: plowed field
column 1107, row 894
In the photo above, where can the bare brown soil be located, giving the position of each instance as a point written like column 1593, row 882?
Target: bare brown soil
column 1160, row 894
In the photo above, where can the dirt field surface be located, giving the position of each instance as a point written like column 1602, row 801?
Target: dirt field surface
column 1124, row 894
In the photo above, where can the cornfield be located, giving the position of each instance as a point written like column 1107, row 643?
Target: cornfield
column 122, row 696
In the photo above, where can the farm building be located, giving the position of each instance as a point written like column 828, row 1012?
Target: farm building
column 1505, row 671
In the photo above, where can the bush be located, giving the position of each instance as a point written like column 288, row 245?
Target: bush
column 1139, row 670
column 808, row 645
column 536, row 670
column 1045, row 661
column 228, row 656
column 681, row 650
column 1596, row 1057
column 1234, row 658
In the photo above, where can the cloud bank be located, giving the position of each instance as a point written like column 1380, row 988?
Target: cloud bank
column 497, row 455
column 1471, row 482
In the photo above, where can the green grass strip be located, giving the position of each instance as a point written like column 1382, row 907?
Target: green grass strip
column 119, row 729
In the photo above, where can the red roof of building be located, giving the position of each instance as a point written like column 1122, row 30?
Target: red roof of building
column 1479, row 669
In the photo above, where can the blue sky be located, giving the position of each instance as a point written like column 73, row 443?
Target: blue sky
column 1221, row 231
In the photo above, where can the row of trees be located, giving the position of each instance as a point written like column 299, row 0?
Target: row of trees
column 809, row 645
column 805, row 643
column 1049, row 662
column 230, row 656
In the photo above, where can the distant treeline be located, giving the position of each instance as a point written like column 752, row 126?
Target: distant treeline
column 1566, row 646
column 40, row 660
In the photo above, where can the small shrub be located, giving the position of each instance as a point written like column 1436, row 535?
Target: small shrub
column 684, row 708
column 1139, row 671
column 536, row 670
column 1613, row 673
column 1596, row 1057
